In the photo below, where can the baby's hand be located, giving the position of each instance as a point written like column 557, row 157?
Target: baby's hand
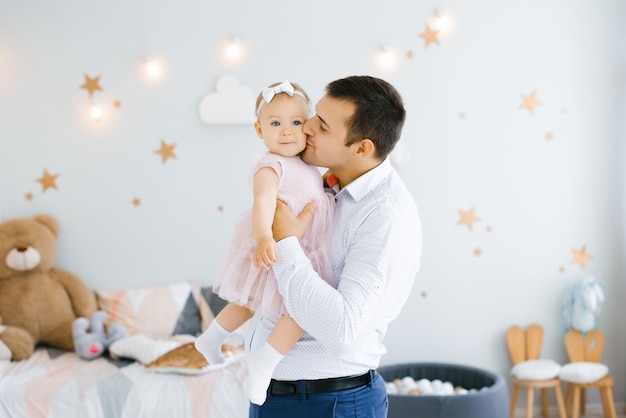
column 266, row 253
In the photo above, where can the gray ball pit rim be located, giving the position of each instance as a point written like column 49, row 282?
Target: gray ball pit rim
column 490, row 402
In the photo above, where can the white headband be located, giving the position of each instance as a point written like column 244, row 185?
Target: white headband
column 269, row 93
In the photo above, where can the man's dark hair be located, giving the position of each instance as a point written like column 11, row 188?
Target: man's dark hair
column 379, row 113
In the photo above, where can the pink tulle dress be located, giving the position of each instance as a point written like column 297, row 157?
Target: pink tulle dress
column 238, row 280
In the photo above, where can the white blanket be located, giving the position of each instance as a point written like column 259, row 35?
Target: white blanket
column 53, row 384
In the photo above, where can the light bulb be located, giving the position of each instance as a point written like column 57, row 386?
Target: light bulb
column 153, row 69
column 96, row 112
column 439, row 22
column 444, row 22
column 233, row 50
column 386, row 57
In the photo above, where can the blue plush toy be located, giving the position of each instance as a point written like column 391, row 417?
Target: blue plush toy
column 91, row 339
column 581, row 305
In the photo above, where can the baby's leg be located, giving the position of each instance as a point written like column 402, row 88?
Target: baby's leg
column 285, row 334
column 263, row 361
column 229, row 319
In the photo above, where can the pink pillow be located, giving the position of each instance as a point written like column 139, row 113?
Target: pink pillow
column 158, row 311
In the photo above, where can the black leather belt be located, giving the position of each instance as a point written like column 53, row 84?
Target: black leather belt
column 335, row 384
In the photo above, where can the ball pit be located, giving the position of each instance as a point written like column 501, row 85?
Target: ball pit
column 439, row 390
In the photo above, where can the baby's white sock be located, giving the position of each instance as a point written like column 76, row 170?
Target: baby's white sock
column 210, row 343
column 261, row 365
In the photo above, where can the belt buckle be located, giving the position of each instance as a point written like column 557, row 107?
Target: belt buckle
column 278, row 388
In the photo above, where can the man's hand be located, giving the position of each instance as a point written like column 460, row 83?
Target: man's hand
column 287, row 224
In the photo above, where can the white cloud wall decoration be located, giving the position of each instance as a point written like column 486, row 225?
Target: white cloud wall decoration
column 230, row 104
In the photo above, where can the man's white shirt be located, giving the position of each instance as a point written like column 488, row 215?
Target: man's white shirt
column 376, row 249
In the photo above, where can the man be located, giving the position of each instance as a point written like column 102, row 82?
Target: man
column 376, row 248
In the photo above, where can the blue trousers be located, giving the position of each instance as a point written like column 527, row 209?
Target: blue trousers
column 368, row 401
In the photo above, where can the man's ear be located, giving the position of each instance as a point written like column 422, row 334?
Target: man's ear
column 257, row 128
column 366, row 148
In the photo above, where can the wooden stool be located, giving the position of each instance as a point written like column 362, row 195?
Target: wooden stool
column 530, row 372
column 586, row 371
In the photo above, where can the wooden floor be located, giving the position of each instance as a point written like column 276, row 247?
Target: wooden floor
column 521, row 414
column 592, row 412
column 620, row 414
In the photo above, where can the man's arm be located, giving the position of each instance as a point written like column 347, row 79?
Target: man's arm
column 339, row 318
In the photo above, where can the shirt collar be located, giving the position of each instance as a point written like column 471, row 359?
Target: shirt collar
column 362, row 185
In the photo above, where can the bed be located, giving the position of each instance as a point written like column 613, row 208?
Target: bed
column 58, row 384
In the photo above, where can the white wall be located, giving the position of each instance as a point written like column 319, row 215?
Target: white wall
column 541, row 198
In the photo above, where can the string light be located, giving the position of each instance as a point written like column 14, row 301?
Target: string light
column 386, row 57
column 96, row 111
column 153, row 69
column 233, row 50
column 439, row 22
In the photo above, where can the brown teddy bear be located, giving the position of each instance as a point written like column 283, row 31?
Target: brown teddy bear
column 39, row 303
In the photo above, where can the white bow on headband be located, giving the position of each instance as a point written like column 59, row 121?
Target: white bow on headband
column 284, row 87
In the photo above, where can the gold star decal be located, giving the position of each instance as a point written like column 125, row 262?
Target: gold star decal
column 220, row 208
column 136, row 201
column 48, row 180
column 117, row 104
column 29, row 196
column 529, row 101
column 166, row 151
column 410, row 54
column 468, row 218
column 477, row 252
column 549, row 136
column 429, row 36
column 581, row 256
column 91, row 84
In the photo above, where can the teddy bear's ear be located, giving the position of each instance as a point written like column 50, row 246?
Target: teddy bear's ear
column 49, row 222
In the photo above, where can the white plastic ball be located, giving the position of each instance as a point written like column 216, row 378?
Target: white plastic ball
column 447, row 388
column 425, row 386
